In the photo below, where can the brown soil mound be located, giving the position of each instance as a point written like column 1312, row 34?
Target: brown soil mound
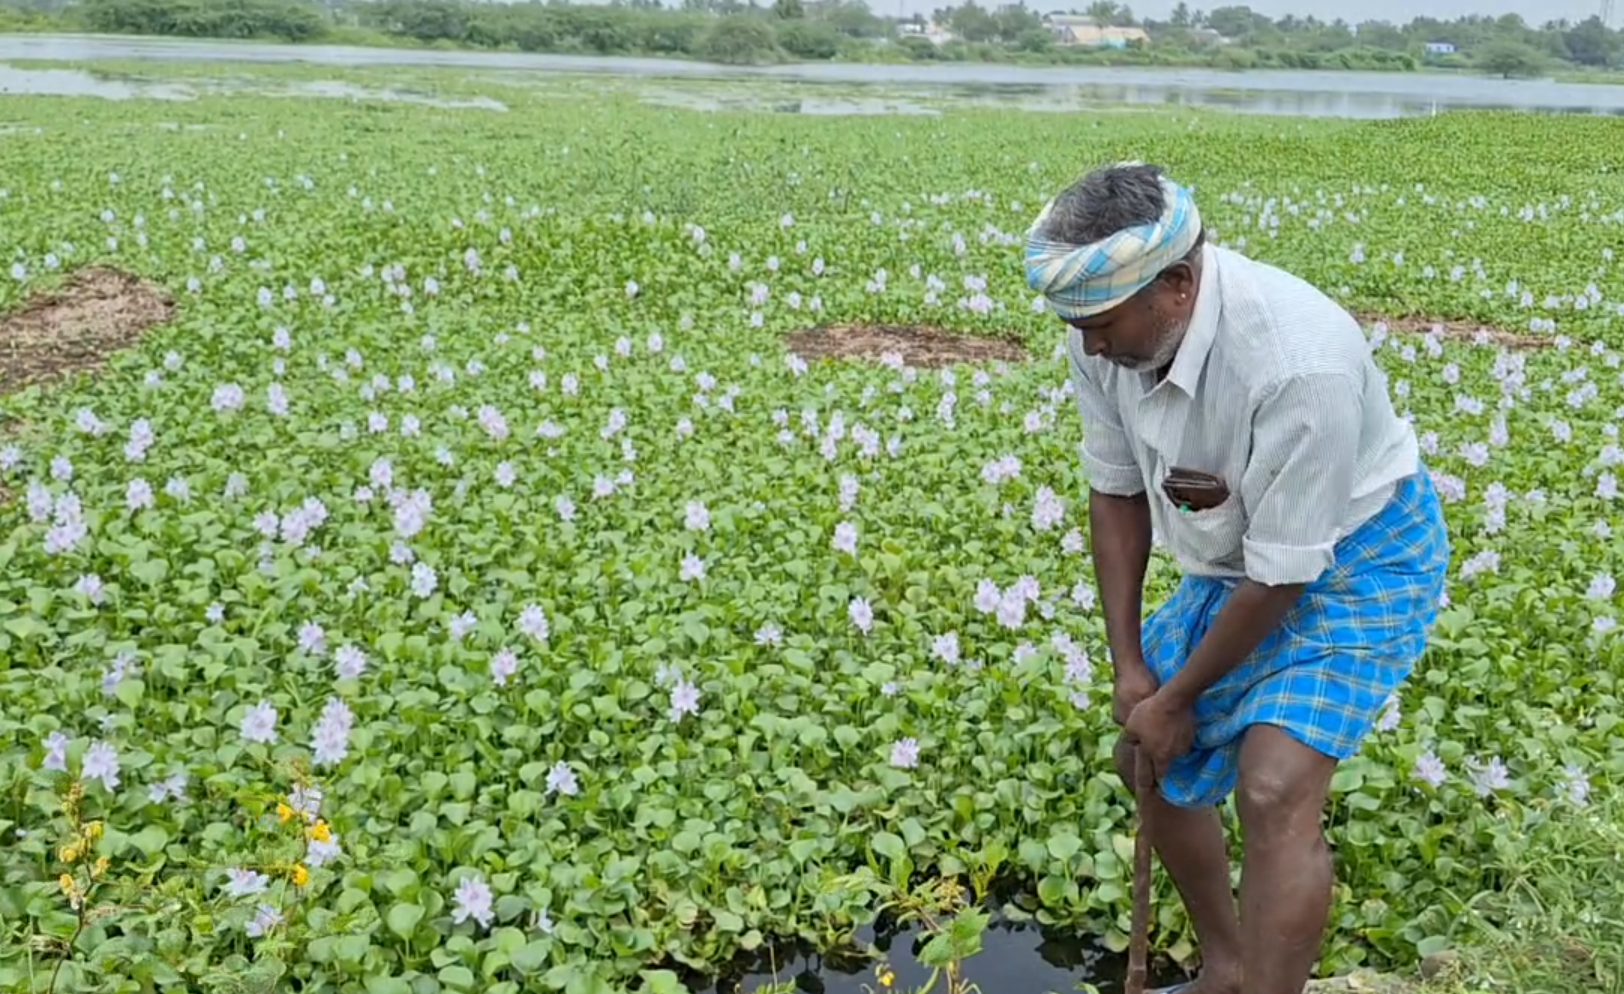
column 1469, row 332
column 917, row 346
column 74, row 328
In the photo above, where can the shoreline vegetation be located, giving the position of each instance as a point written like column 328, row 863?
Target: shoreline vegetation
column 728, row 32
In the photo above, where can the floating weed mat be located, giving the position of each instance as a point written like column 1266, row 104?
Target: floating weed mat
column 903, row 345
column 1469, row 332
column 72, row 329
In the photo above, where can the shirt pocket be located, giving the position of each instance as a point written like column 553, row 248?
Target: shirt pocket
column 1204, row 540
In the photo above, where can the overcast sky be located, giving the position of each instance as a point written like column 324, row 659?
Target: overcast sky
column 1533, row 11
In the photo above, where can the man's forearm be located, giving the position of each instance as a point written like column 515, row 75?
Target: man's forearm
column 1119, row 537
column 1246, row 619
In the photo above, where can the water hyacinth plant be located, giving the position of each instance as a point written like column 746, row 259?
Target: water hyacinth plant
column 466, row 590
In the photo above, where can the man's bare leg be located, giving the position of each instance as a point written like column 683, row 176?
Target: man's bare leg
column 1190, row 843
column 1286, row 873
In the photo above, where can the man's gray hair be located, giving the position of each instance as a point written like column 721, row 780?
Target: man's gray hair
column 1104, row 202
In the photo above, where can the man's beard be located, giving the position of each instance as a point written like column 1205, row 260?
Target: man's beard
column 1168, row 339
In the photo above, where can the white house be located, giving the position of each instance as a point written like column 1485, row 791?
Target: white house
column 934, row 33
column 1081, row 30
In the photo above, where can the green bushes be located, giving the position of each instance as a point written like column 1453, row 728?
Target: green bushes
column 290, row 20
column 739, row 39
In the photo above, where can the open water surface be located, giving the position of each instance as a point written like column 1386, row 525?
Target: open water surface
column 21, row 81
column 1318, row 94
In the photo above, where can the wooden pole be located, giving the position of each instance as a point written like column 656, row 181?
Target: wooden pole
column 1139, row 940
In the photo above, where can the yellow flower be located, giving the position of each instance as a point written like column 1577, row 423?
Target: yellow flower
column 69, row 853
column 320, row 832
column 283, row 813
column 102, row 864
column 301, row 876
column 93, row 830
column 67, row 884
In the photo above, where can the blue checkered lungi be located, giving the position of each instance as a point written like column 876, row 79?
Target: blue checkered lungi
column 1325, row 672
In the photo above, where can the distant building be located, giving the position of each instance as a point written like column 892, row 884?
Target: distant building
column 1440, row 48
column 1207, row 36
column 932, row 32
column 1082, row 30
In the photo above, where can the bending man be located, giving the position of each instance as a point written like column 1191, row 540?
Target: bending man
column 1236, row 411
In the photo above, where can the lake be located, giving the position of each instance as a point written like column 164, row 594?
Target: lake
column 1315, row 94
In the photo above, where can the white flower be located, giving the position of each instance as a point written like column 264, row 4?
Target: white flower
column 350, row 662
column 905, row 753
column 228, row 397
column 1488, row 777
column 321, row 852
column 473, row 900
column 561, row 779
column 845, row 539
column 56, row 752
column 259, row 724
column 697, row 518
column 266, row 917
column 1391, row 714
column 988, row 597
column 424, row 579
column 245, row 883
column 172, row 787
column 861, row 613
column 1048, row 510
column 684, row 699
column 503, row 665
column 312, row 638
column 90, row 586
column 460, row 625
column 306, row 801
column 329, row 740
column 533, row 622
column 1012, row 608
column 101, row 763
column 412, row 512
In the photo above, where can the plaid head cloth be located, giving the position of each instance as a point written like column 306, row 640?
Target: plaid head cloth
column 1080, row 280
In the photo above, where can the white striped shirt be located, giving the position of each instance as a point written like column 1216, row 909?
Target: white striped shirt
column 1275, row 391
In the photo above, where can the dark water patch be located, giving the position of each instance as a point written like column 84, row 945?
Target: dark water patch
column 1016, row 957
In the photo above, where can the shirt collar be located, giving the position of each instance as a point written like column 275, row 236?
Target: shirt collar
column 1198, row 338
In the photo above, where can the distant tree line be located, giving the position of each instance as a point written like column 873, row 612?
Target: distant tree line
column 290, row 21
column 746, row 31
column 1503, row 45
column 724, row 31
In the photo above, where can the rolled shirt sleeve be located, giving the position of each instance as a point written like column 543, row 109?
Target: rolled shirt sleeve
column 1298, row 482
column 1108, row 459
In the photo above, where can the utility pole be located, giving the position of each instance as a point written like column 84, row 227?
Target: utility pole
column 1606, row 13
